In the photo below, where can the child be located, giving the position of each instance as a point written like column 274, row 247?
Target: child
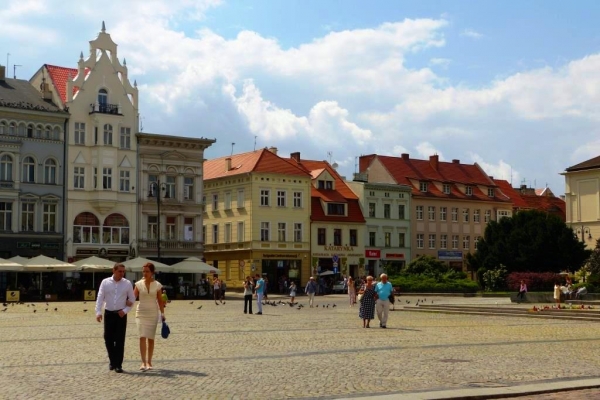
column 165, row 299
column 292, row 291
column 557, row 294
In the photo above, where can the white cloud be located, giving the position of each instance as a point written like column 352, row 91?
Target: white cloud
column 426, row 149
column 501, row 170
column 471, row 33
column 585, row 152
column 440, row 62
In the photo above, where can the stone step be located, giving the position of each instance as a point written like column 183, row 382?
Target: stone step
column 595, row 311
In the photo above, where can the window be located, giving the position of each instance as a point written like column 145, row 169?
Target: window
column 443, row 212
column 336, row 209
column 281, row 198
column 5, row 216
column 329, row 185
column 281, row 228
column 264, row 231
column 297, row 232
column 387, row 239
column 27, row 216
column 115, row 230
column 321, row 236
column 264, row 197
column 488, row 216
column 431, row 212
column 188, row 229
column 152, row 227
column 240, row 198
column 490, row 194
column 443, row 241
column 215, row 201
column 387, row 211
column 431, row 241
column 171, row 188
column 124, row 181
column 454, row 214
column 337, row 237
column 466, row 242
column 477, row 238
column 204, row 234
column 372, row 209
column 297, row 199
column 38, row 131
column 465, row 215
column 240, row 232
column 86, row 228
column 6, row 168
column 47, row 132
column 476, row 216
column 28, row 169
column 215, row 233
column 454, row 242
column 50, row 172
column 102, row 97
column 401, row 239
column 423, row 186
column 96, row 135
column 49, row 218
column 321, row 184
column 401, row 211
column 501, row 214
column 79, row 132
column 107, row 178
column 108, row 134
column 125, row 138
column 188, row 189
column 227, row 233
column 468, row 190
column 152, row 184
column 227, row 204
column 372, row 238
column 446, row 188
column 353, row 237
column 30, row 130
column 420, row 213
column 420, row 240
column 95, row 177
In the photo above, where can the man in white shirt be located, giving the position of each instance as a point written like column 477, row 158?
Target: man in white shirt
column 116, row 294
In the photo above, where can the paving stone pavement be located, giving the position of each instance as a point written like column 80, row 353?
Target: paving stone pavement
column 217, row 352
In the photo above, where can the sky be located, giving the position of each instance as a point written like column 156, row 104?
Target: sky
column 513, row 86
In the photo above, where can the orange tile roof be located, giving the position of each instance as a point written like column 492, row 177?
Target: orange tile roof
column 512, row 194
column 59, row 77
column 255, row 161
column 549, row 204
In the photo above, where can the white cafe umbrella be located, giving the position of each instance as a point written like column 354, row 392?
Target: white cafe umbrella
column 136, row 265
column 9, row 265
column 93, row 264
column 194, row 265
column 326, row 273
column 46, row 264
column 18, row 259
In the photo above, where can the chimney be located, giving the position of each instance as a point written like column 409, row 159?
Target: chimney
column 45, row 89
column 491, row 177
column 405, row 156
column 295, row 156
column 434, row 161
column 273, row 150
column 523, row 187
column 455, row 161
column 228, row 164
column 562, row 197
column 2, row 73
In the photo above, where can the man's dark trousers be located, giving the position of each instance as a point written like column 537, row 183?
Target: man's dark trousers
column 115, row 328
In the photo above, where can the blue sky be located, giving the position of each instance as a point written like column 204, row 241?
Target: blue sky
column 511, row 85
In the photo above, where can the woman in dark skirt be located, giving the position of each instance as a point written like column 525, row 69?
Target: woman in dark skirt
column 367, row 303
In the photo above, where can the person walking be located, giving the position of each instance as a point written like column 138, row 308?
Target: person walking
column 557, row 293
column 116, row 296
column 248, row 285
column 384, row 290
column 311, row 290
column 149, row 292
column 351, row 292
column 522, row 292
column 259, row 289
column 367, row 304
column 217, row 289
column 292, row 291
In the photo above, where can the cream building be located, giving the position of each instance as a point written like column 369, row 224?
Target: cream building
column 101, row 151
column 582, row 196
column 171, row 166
column 257, row 217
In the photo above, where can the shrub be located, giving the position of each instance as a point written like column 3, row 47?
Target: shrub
column 494, row 279
column 424, row 284
column 535, row 281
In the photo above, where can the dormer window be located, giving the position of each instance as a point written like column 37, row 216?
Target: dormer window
column 491, row 192
column 469, row 191
column 336, row 209
column 423, row 186
column 446, row 188
column 322, row 184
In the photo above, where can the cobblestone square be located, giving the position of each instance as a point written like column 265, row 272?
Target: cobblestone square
column 217, row 352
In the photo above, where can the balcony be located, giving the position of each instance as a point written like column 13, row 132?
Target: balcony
column 168, row 245
column 7, row 185
column 102, row 108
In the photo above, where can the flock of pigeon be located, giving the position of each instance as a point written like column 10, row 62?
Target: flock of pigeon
column 32, row 305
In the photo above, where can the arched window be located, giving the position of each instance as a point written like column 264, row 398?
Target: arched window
column 102, row 99
column 108, row 134
column 50, row 172
column 6, row 164
column 28, row 169
column 30, row 130
column 115, row 230
column 22, row 129
column 86, row 228
column 3, row 128
column 39, row 131
column 56, row 133
column 48, row 132
column 12, row 128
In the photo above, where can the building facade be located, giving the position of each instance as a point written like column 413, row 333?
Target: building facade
column 386, row 208
column 582, row 196
column 170, row 197
column 257, row 217
column 32, row 148
column 452, row 203
column 101, row 151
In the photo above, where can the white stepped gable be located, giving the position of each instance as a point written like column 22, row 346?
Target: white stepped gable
column 125, row 163
column 80, row 159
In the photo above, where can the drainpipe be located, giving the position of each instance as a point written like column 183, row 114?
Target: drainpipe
column 64, row 185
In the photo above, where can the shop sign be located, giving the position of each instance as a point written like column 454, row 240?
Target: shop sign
column 394, row 255
column 281, row 256
column 338, row 248
column 87, row 252
column 89, row 295
column 13, row 295
column 23, row 245
column 448, row 255
column 54, row 246
column 36, row 245
column 118, row 252
column 373, row 253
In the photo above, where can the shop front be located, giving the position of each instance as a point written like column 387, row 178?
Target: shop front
column 116, row 254
column 339, row 260
column 373, row 257
column 393, row 262
column 280, row 266
column 454, row 258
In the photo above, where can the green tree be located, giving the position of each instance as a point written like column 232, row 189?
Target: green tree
column 428, row 266
column 529, row 241
column 593, row 263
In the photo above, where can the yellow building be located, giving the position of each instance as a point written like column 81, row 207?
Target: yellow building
column 582, row 195
column 257, row 217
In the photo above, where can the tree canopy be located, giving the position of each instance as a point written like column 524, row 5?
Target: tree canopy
column 530, row 241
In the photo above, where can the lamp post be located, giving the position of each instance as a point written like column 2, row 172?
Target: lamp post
column 157, row 186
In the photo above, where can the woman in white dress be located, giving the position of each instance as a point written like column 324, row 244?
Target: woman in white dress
column 150, row 302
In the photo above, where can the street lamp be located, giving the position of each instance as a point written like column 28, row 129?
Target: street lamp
column 584, row 230
column 157, row 187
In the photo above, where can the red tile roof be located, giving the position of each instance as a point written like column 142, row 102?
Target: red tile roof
column 59, row 77
column 549, row 204
column 512, row 194
column 255, row 161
